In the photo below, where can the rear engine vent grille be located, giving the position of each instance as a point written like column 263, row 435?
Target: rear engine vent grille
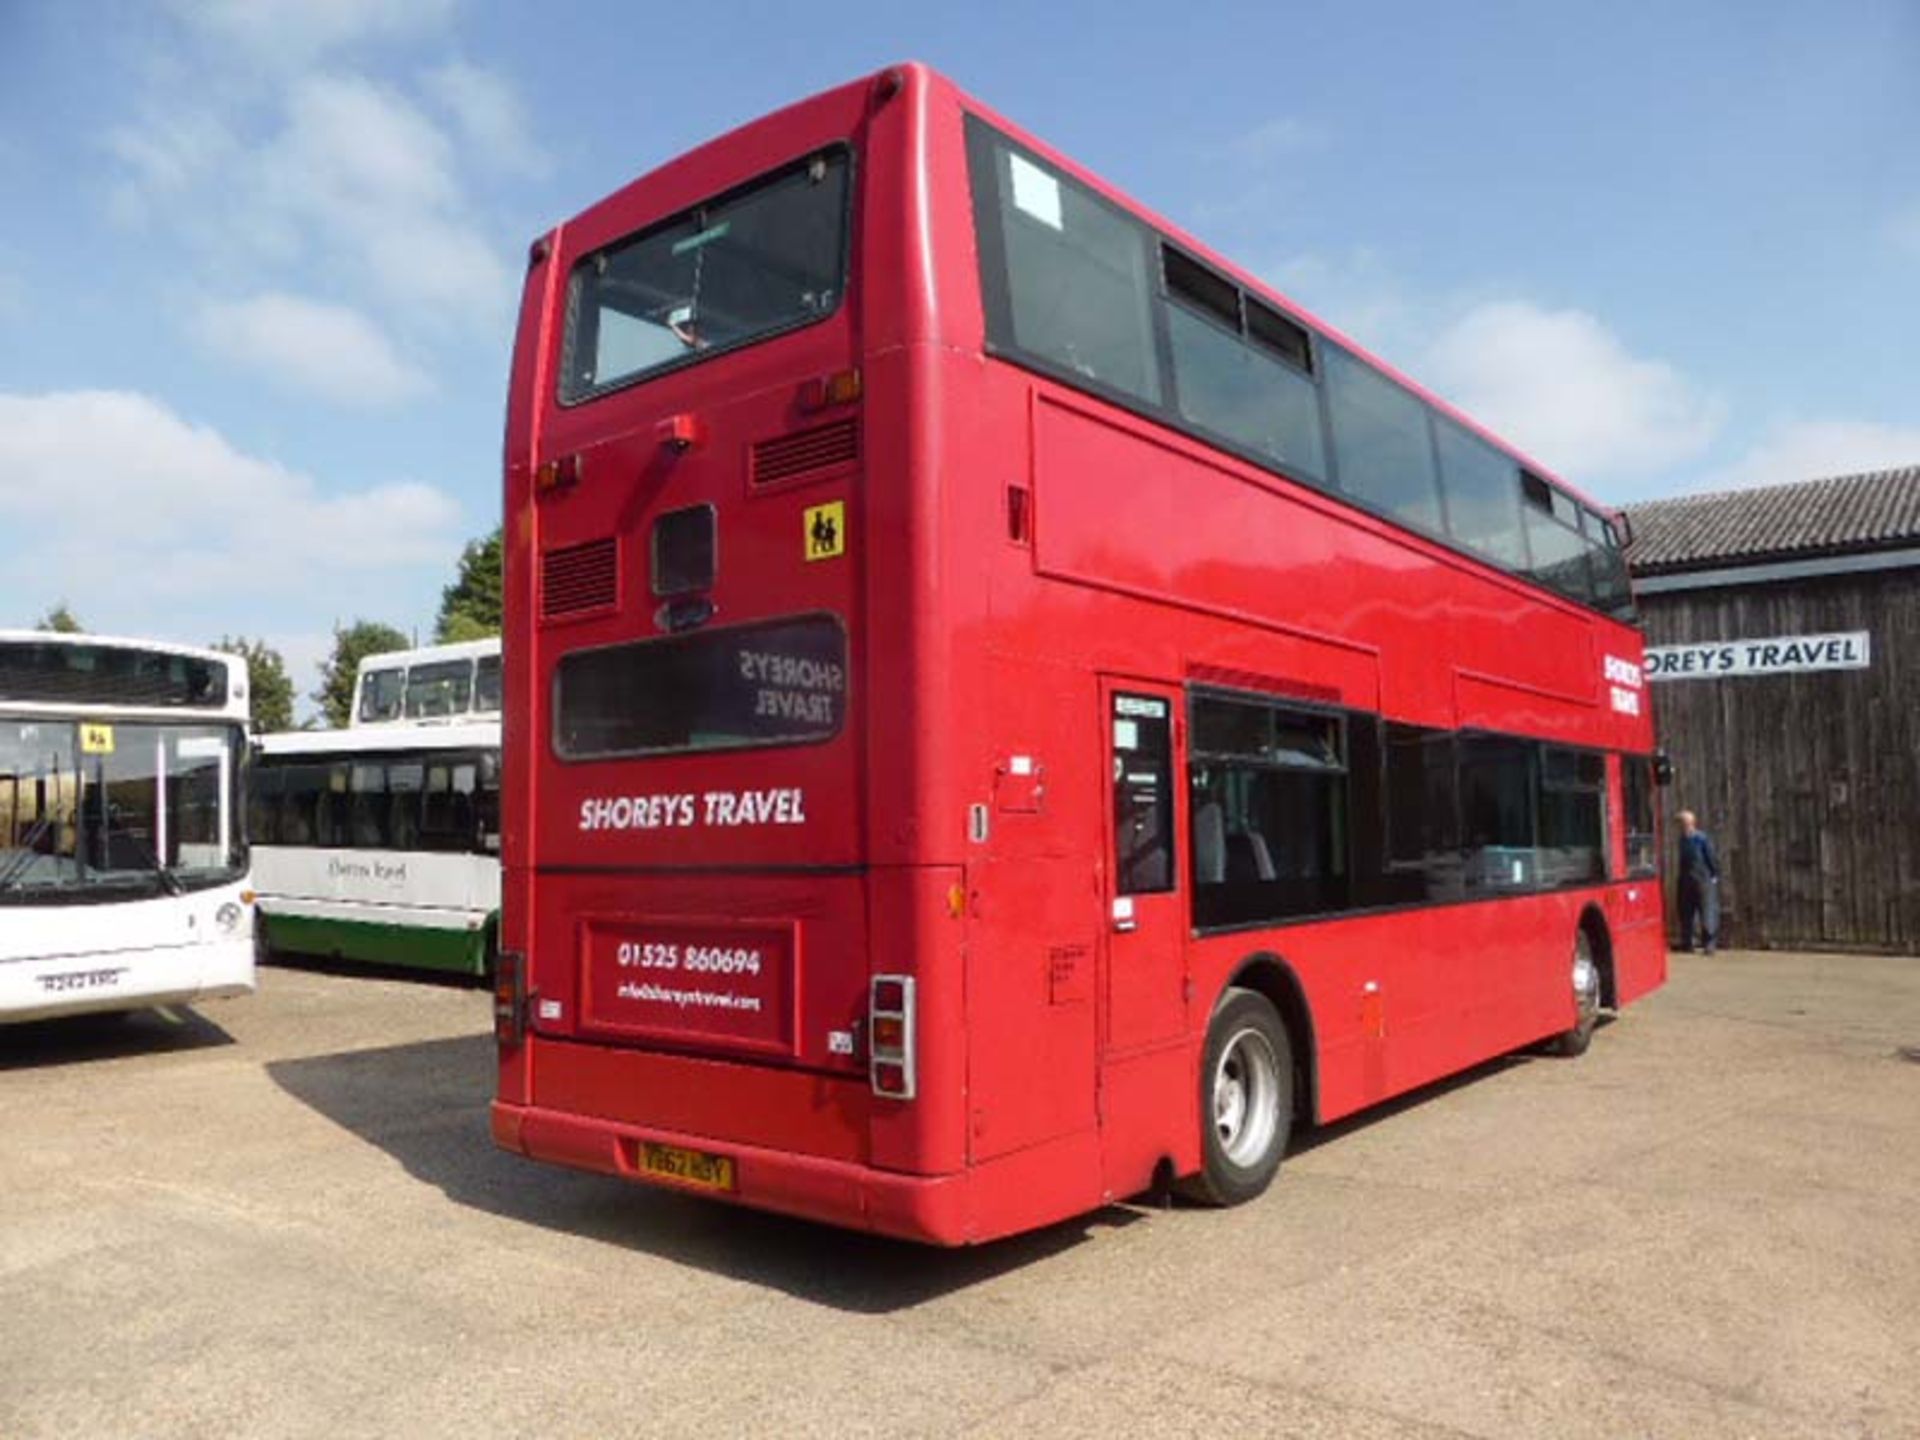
column 579, row 578
column 820, row 448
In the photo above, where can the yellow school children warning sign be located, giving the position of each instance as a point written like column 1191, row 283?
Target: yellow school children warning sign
column 96, row 739
column 824, row 530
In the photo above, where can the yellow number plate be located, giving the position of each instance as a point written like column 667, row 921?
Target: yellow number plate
column 688, row 1167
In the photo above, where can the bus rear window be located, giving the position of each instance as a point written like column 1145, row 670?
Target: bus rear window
column 782, row 682
column 763, row 259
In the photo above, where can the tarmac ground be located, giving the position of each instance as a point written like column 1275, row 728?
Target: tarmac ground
column 282, row 1216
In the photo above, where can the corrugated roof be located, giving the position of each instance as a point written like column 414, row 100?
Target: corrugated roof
column 1843, row 515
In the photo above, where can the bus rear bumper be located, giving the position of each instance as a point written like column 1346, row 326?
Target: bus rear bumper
column 929, row 1209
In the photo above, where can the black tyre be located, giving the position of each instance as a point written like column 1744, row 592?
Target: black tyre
column 1586, row 1000
column 1246, row 1101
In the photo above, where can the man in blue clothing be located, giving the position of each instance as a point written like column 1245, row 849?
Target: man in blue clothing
column 1699, row 874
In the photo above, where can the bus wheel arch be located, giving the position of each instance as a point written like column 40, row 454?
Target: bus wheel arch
column 1600, row 937
column 1590, row 971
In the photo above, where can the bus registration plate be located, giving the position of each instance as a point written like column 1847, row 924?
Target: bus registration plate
column 687, row 1167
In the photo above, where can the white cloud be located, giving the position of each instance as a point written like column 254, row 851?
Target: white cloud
column 148, row 522
column 352, row 178
column 1816, row 449
column 351, row 142
column 368, row 172
column 294, row 32
column 325, row 350
column 1562, row 386
column 167, row 155
column 490, row 117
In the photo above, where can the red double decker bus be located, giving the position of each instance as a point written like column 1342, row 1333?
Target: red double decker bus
column 1003, row 710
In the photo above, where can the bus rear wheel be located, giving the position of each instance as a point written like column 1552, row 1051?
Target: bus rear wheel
column 1246, row 1101
column 1586, row 1000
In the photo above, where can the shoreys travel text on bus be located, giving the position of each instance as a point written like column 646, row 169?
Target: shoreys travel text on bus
column 1003, row 711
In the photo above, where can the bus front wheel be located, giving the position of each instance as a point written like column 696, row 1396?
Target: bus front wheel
column 1586, row 1000
column 1246, row 1101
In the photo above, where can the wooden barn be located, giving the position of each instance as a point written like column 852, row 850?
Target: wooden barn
column 1783, row 633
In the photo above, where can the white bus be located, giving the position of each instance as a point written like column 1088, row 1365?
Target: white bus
column 380, row 843
column 435, row 683
column 123, row 847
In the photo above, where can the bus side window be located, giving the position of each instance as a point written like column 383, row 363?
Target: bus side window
column 380, row 694
column 436, row 809
column 405, row 782
column 263, row 805
column 366, row 827
column 486, row 804
column 461, row 818
column 486, row 685
column 1270, row 834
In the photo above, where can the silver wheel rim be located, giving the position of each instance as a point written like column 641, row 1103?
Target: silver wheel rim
column 1586, row 986
column 1246, row 1097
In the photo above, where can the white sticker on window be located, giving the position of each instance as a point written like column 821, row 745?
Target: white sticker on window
column 1126, row 735
column 1036, row 192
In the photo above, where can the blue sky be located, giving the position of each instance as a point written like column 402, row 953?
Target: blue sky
column 258, row 257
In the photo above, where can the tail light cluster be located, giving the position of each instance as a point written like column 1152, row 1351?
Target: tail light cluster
column 891, row 1064
column 510, row 998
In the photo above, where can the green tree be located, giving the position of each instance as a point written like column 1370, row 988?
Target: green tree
column 269, row 688
column 350, row 644
column 470, row 607
column 60, row 620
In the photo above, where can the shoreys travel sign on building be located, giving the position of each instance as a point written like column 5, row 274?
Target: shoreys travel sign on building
column 1777, row 655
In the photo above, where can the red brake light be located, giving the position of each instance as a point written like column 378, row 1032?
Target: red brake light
column 892, row 1065
column 510, row 998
